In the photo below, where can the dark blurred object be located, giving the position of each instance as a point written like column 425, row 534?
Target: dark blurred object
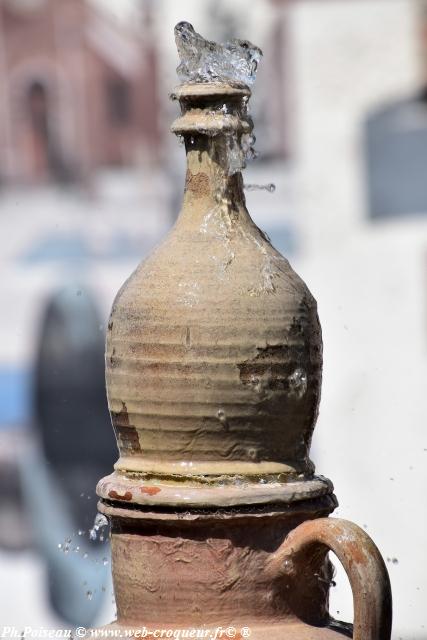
column 15, row 529
column 70, row 403
column 396, row 158
column 74, row 447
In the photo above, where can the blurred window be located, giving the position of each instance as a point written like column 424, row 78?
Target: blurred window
column 396, row 158
column 38, row 108
column 119, row 101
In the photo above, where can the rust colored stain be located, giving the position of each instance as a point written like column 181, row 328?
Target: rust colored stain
column 151, row 491
column 269, row 364
column 198, row 184
column 126, row 433
column 118, row 496
column 357, row 552
column 121, row 417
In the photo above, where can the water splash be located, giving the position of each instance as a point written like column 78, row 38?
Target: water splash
column 234, row 62
column 247, row 141
column 100, row 522
column 235, row 155
column 270, row 187
column 206, row 61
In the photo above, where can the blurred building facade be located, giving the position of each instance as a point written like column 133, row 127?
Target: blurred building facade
column 78, row 91
column 81, row 88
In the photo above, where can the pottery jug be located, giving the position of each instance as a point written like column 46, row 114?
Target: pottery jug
column 214, row 357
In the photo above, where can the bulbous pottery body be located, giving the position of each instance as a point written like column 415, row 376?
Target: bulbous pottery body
column 214, row 349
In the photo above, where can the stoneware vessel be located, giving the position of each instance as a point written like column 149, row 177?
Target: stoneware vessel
column 214, row 361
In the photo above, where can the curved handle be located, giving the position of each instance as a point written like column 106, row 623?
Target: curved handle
column 362, row 562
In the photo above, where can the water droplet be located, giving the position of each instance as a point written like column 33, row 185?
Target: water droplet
column 89, row 595
column 222, row 418
column 298, row 383
column 104, row 561
column 253, row 453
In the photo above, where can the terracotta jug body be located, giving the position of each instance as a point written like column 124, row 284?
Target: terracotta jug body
column 259, row 573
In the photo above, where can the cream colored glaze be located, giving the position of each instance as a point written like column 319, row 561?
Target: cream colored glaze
column 196, row 467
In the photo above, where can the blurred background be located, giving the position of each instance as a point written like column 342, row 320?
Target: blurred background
column 91, row 179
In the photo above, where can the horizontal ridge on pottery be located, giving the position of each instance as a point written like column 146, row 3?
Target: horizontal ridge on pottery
column 187, row 383
column 194, row 492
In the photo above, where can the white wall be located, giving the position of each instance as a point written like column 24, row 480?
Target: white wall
column 369, row 280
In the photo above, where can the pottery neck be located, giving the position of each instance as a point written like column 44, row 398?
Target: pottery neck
column 215, row 128
column 209, row 184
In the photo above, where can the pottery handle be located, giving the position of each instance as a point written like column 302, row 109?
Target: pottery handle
column 362, row 562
